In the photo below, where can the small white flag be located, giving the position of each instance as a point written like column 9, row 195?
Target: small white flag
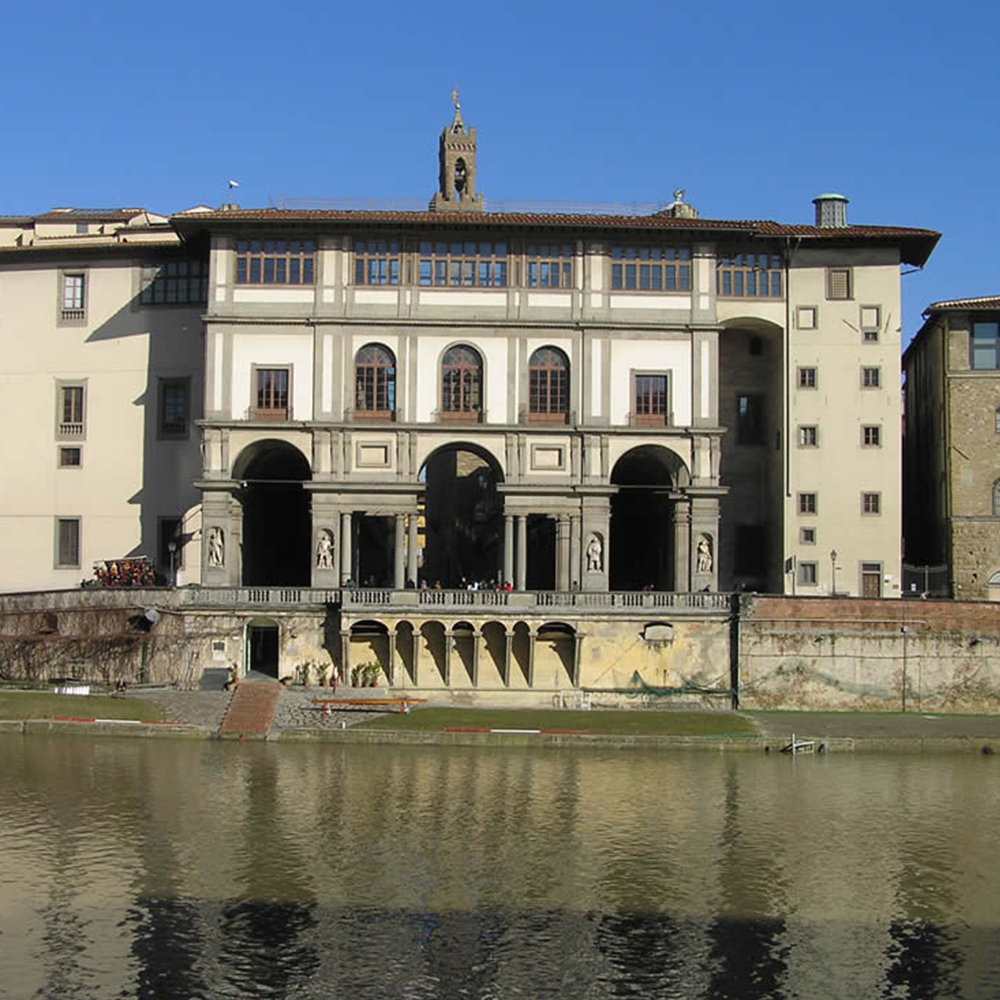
column 234, row 184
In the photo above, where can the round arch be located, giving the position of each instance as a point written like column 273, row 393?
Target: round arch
column 261, row 647
column 374, row 381
column 642, row 522
column 276, row 518
column 461, row 382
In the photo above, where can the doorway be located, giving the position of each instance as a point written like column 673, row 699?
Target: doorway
column 262, row 647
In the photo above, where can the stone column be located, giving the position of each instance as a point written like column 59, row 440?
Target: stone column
column 562, row 553
column 220, row 561
column 325, row 542
column 345, row 657
column 705, row 543
column 522, row 552
column 398, row 581
column 574, row 552
column 595, row 527
column 475, row 657
column 346, row 548
column 508, row 549
column 416, row 654
column 531, row 658
column 390, row 659
column 682, row 545
column 411, row 548
column 508, row 642
column 449, row 642
column 577, row 642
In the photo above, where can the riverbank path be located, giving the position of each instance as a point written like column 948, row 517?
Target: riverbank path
column 252, row 708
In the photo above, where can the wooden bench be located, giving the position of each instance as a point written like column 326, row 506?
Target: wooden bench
column 402, row 704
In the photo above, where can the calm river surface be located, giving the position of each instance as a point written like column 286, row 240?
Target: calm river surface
column 158, row 870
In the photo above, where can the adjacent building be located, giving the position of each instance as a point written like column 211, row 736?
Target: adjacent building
column 952, row 442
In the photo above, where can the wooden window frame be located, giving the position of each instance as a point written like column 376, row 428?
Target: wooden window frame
column 869, row 569
column 378, row 262
column 665, row 270
column 871, row 431
column 548, row 265
column 454, row 263
column 167, row 430
column 275, row 261
column 871, row 377
column 644, row 399
column 74, row 296
column 71, row 425
column 374, row 380
column 742, row 275
column 463, row 379
column 180, row 282
column 806, row 431
column 848, row 273
column 871, row 504
column 270, row 413
column 548, row 387
column 58, row 561
column 808, row 573
column 808, row 504
column 65, row 450
column 805, row 380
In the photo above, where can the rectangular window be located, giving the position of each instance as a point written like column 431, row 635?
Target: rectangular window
column 750, row 426
column 806, row 318
column 67, row 543
column 871, row 436
column 651, row 405
column 175, row 283
column 807, row 378
column 871, row 322
column 984, row 343
column 174, row 407
column 749, row 275
column 466, row 263
column 651, row 269
column 838, row 283
column 808, row 436
column 871, row 503
column 549, row 265
column 275, row 262
column 871, row 579
column 871, row 378
column 272, row 394
column 74, row 298
column 808, row 574
column 70, row 458
column 71, row 414
column 377, row 262
column 807, row 536
column 807, row 503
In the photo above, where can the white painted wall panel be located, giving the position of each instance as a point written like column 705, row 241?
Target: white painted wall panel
column 253, row 349
column 281, row 296
column 498, row 395
column 645, row 355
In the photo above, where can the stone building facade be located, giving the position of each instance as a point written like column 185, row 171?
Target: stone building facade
column 952, row 445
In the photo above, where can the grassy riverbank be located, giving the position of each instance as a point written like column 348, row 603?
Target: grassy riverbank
column 43, row 705
column 626, row 723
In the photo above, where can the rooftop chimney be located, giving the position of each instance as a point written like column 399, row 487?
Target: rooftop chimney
column 831, row 211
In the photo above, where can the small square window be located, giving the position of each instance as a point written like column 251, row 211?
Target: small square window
column 806, row 317
column 838, row 283
column 82, row 227
column 70, row 458
column 807, row 378
column 871, row 436
column 807, row 536
column 871, row 503
column 807, row 503
column 871, row 378
column 808, row 436
column 808, row 573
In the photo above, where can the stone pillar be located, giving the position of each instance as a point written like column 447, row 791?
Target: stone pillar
column 595, row 541
column 531, row 658
column 508, row 549
column 574, row 552
column 345, row 657
column 508, row 643
column 220, row 559
column 390, row 659
column 577, row 642
column 522, row 552
column 562, row 553
column 325, row 542
column 475, row 657
column 346, row 548
column 411, row 548
column 449, row 642
column 398, row 581
column 705, row 543
column 682, row 545
column 416, row 654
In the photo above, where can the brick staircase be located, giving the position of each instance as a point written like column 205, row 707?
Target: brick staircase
column 251, row 710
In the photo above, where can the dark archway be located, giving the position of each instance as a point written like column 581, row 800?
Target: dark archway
column 262, row 647
column 463, row 516
column 276, row 515
column 642, row 524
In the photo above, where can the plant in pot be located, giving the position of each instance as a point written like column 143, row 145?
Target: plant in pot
column 305, row 672
column 358, row 675
column 372, row 670
column 322, row 670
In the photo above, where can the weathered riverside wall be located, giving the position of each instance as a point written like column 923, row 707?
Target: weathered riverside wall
column 838, row 654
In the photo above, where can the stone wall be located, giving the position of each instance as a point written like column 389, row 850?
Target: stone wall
column 851, row 654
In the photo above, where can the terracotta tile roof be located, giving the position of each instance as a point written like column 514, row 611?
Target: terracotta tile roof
column 983, row 302
column 88, row 215
column 917, row 244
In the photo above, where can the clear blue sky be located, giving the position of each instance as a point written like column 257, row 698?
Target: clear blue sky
column 753, row 108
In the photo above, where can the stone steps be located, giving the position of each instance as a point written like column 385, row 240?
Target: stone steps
column 251, row 711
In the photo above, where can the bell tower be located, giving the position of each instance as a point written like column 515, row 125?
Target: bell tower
column 457, row 165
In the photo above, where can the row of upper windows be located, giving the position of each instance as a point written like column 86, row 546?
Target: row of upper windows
column 871, row 503
column 807, row 377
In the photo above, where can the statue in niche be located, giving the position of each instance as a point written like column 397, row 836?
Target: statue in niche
column 704, row 554
column 595, row 554
column 216, row 547
column 324, row 550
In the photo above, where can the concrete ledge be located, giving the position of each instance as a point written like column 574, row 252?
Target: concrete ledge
column 143, row 730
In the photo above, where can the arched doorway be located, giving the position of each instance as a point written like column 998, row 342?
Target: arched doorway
column 463, row 533
column 276, row 516
column 261, row 647
column 642, row 524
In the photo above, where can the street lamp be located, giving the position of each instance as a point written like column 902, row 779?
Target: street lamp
column 172, row 549
column 833, row 572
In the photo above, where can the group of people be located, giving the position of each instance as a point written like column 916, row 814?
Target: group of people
column 125, row 573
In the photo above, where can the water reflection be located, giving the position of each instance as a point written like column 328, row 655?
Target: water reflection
column 161, row 870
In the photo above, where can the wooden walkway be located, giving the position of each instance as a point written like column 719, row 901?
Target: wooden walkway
column 252, row 708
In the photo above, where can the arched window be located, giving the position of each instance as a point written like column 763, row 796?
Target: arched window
column 461, row 384
column 374, row 383
column 996, row 498
column 548, row 385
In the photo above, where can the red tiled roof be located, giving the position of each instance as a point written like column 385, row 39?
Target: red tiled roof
column 983, row 302
column 917, row 243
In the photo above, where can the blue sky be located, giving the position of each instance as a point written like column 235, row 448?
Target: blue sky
column 752, row 108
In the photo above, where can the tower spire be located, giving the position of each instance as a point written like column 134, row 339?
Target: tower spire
column 457, row 167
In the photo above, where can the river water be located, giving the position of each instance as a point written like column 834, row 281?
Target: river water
column 160, row 870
